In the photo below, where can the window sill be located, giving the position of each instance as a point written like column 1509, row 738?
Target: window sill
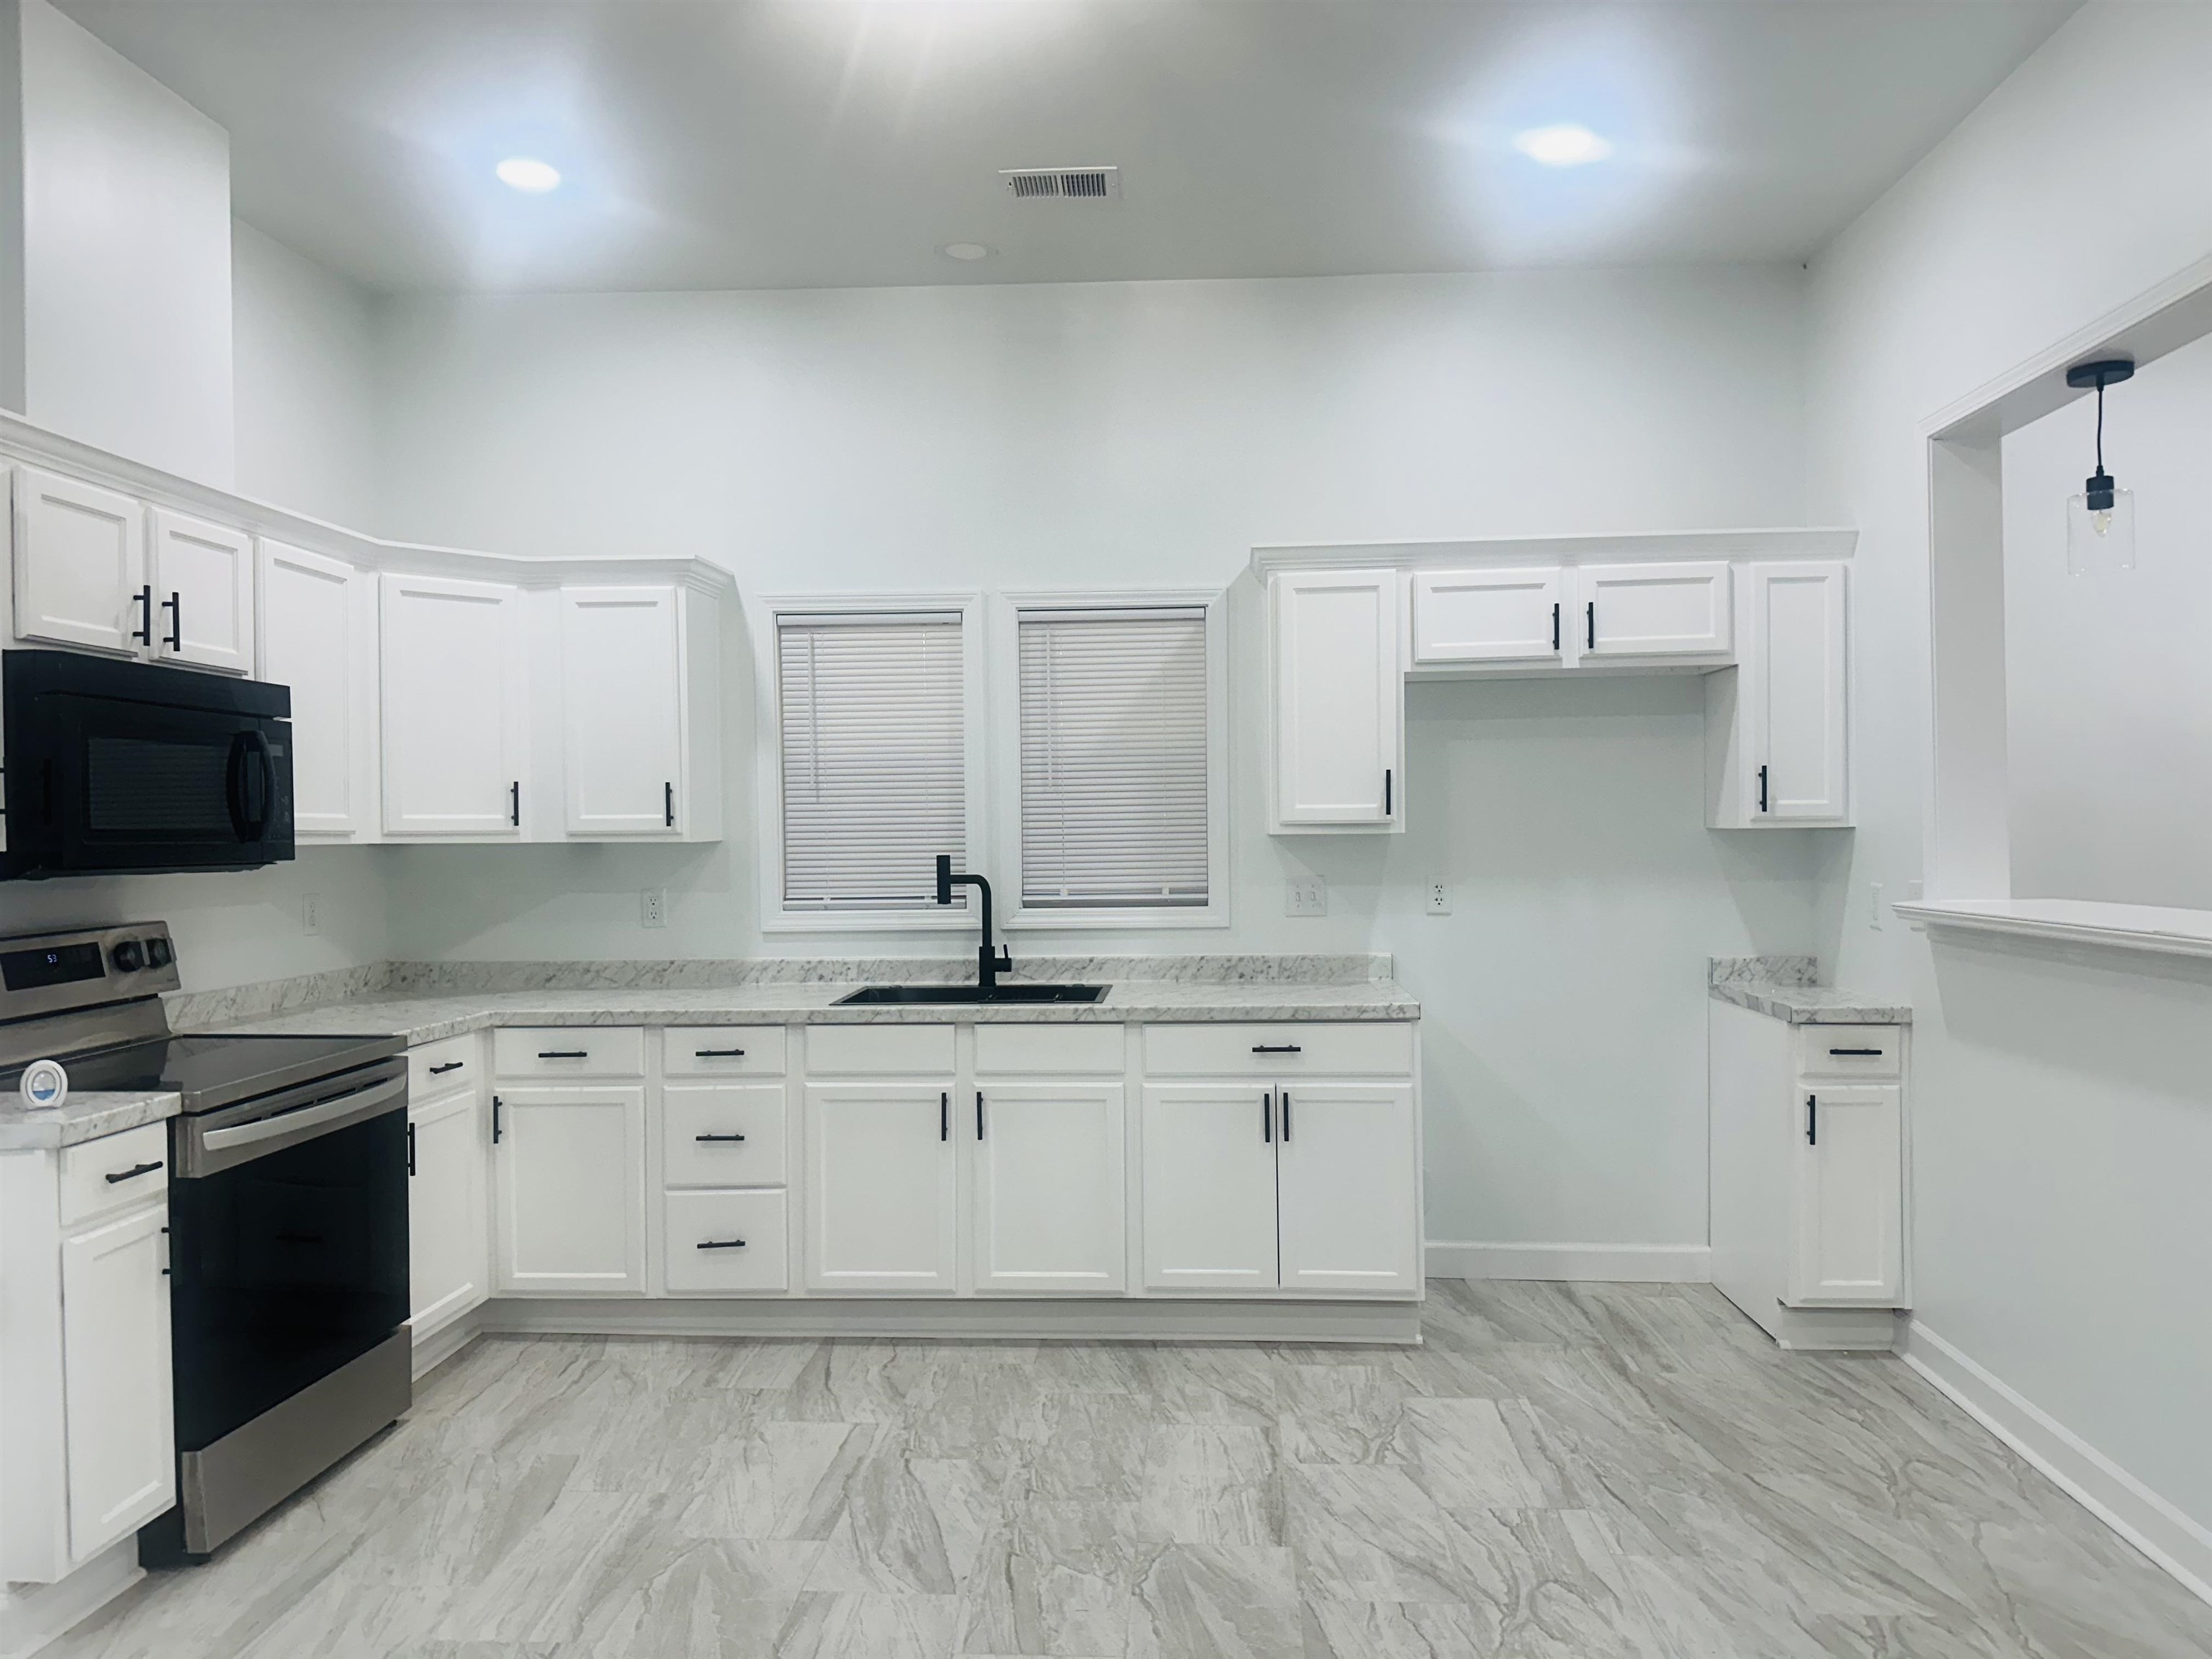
column 2158, row 930
column 1072, row 921
column 953, row 921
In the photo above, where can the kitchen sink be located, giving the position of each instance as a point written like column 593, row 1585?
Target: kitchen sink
column 870, row 995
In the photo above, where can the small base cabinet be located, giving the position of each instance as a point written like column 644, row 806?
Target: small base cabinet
column 1346, row 1176
column 881, row 1196
column 448, row 1236
column 570, row 1165
column 1209, row 1191
column 1049, row 1202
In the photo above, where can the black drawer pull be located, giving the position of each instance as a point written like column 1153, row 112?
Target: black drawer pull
column 564, row 1054
column 1277, row 1048
column 945, row 1115
column 410, row 1150
column 722, row 1244
column 450, row 1066
column 134, row 1172
column 717, row 1137
column 1874, row 1053
column 1812, row 1120
column 1286, row 1117
column 718, row 1053
column 1267, row 1118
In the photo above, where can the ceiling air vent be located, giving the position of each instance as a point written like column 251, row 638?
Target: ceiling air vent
column 1063, row 183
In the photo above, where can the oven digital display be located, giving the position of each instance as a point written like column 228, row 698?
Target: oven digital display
column 65, row 965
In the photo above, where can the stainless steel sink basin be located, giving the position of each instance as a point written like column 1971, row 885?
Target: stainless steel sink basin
column 878, row 994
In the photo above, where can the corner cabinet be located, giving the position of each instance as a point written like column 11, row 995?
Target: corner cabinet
column 317, row 634
column 453, row 707
column 1338, row 701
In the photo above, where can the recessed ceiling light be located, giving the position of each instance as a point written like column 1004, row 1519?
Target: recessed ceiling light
column 968, row 251
column 1567, row 146
column 525, row 172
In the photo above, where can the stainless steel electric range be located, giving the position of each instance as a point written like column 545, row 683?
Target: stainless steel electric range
column 287, row 1218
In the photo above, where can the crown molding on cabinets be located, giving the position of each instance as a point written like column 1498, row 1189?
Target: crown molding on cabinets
column 1609, row 549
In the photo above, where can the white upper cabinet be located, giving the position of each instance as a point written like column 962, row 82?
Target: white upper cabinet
column 203, row 578
column 1776, row 727
column 454, row 689
column 1337, row 700
column 1488, row 615
column 80, row 566
column 1347, row 1175
column 317, row 633
column 641, row 690
column 1847, row 1209
column 1648, row 610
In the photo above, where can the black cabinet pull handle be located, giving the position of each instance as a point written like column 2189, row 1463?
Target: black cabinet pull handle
column 668, row 804
column 979, row 1114
column 410, row 1151
column 1286, row 1117
column 1812, row 1120
column 1267, row 1118
column 1386, row 792
column 514, row 802
column 175, row 604
column 450, row 1066
column 1555, row 625
column 134, row 1172
column 1872, row 1054
column 1277, row 1048
column 717, row 1137
column 1762, row 789
column 494, row 1119
column 945, row 1115
column 564, row 1054
column 144, row 632
column 1592, row 614
column 718, row 1053
column 722, row 1244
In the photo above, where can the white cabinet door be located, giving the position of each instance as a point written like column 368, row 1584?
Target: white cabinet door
column 1797, row 680
column 1346, row 1172
column 452, row 714
column 880, row 1188
column 622, row 691
column 1655, row 610
column 80, row 565
column 1338, row 698
column 316, row 618
column 115, row 1378
column 1848, row 1197
column 448, row 1221
column 1488, row 615
column 1209, row 1187
column 202, row 577
column 570, row 1168
column 1050, row 1204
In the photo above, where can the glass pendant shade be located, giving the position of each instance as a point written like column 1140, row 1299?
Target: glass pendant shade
column 2101, row 539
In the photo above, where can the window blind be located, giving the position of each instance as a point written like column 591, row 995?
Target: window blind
column 1113, row 758
column 875, row 786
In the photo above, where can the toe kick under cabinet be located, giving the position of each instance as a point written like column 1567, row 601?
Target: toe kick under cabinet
column 993, row 1162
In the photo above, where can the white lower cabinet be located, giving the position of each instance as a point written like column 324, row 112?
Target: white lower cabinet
column 449, row 1241
column 1346, row 1176
column 1848, row 1248
column 1049, row 1202
column 726, row 1241
column 570, row 1166
column 115, row 1363
column 881, row 1188
column 1209, row 1187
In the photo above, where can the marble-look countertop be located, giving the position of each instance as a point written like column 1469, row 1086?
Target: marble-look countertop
column 1809, row 1005
column 85, row 1116
column 420, row 1019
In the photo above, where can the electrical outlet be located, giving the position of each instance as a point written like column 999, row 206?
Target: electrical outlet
column 653, row 908
column 311, row 915
column 1306, row 897
column 1873, row 905
column 1439, row 898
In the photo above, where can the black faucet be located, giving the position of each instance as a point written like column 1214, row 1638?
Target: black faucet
column 989, row 963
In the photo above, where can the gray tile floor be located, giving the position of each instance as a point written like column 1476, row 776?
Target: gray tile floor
column 1583, row 1471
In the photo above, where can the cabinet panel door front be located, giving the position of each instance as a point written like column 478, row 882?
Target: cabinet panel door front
column 1337, row 695
column 1349, row 1181
column 202, row 576
column 722, row 1134
column 1488, row 615
column 1798, row 716
column 622, row 691
column 448, row 1229
column 1655, row 610
column 1848, row 1195
column 571, row 1170
column 880, row 1188
column 115, row 1372
column 80, row 565
column 309, row 642
column 1209, row 1185
column 451, row 654
column 1050, row 1203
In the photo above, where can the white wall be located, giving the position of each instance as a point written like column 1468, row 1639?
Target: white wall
column 2062, row 1125
column 126, row 256
column 1154, row 433
column 304, row 349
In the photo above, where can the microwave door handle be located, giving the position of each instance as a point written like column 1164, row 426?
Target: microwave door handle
column 250, row 804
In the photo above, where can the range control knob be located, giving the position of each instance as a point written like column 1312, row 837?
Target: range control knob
column 128, row 957
column 158, row 953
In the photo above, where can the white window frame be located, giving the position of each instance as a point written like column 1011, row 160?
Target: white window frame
column 775, row 918
column 1006, row 751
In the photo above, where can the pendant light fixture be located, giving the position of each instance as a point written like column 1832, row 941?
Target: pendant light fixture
column 2101, row 521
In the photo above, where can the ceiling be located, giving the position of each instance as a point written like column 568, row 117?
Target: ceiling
column 823, row 143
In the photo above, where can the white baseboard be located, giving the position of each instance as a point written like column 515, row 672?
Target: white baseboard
column 1640, row 1264
column 2152, row 1523
column 32, row 1615
column 434, row 1348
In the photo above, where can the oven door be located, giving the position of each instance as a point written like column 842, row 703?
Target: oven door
column 288, row 1243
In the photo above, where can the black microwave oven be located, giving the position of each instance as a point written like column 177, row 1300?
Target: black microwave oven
column 127, row 766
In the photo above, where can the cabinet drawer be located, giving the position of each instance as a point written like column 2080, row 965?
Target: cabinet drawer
column 722, row 1050
column 698, row 1121
column 1043, row 1050
column 444, row 1066
column 114, row 1172
column 700, row 1231
column 550, row 1053
column 879, row 1050
column 1311, row 1049
column 1873, row 1051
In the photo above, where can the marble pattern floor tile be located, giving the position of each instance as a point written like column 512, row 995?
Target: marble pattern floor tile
column 1560, row 1472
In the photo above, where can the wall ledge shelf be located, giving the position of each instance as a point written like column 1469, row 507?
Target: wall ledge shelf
column 2152, row 929
column 1474, row 552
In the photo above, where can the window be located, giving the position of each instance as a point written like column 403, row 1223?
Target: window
column 871, row 708
column 1115, row 758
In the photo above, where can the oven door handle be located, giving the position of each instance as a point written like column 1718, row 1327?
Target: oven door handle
column 270, row 1135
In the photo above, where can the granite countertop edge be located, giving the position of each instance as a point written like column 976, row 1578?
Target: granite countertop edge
column 1809, row 1004
column 92, row 1116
